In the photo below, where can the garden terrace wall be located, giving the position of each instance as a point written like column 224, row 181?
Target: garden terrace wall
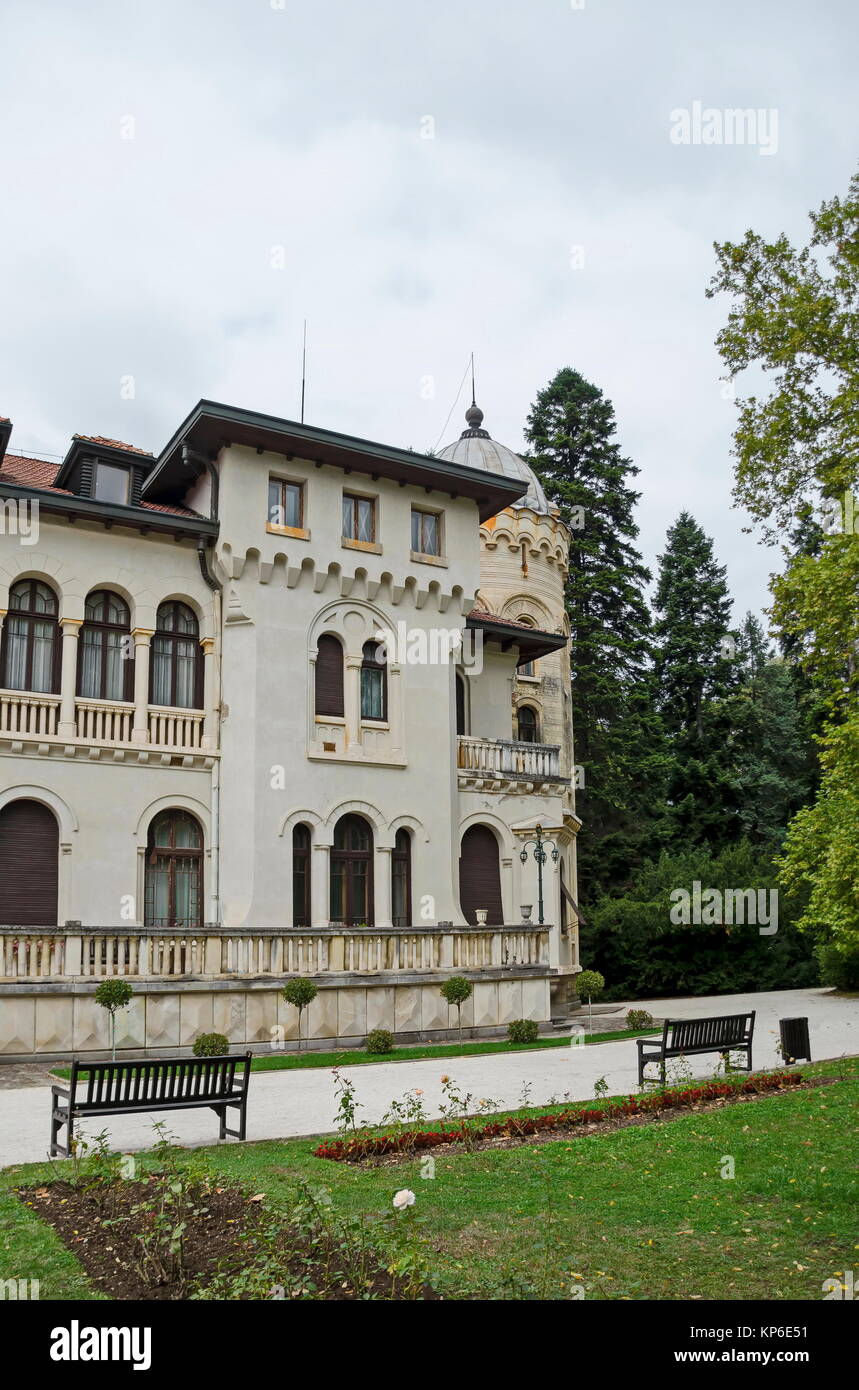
column 231, row 983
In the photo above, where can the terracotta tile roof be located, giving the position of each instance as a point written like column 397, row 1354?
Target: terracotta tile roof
column 481, row 616
column 114, row 444
column 36, row 473
column 39, row 474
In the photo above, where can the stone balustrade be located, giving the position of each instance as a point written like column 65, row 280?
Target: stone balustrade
column 26, row 715
column 31, row 954
column 503, row 758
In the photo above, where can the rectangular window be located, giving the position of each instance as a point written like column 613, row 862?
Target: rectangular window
column 110, row 484
column 372, row 692
column 426, row 532
column 359, row 518
column 285, row 503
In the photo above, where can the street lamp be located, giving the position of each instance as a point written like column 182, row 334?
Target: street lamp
column 540, row 855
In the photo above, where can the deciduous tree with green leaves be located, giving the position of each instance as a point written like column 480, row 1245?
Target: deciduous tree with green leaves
column 794, row 316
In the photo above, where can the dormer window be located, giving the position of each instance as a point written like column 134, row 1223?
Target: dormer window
column 110, row 484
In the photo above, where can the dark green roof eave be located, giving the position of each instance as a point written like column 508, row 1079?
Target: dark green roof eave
column 66, row 504
column 493, row 492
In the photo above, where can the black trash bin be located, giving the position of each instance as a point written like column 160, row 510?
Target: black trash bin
column 795, row 1044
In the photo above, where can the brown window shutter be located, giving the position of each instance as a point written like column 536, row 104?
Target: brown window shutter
column 29, row 850
column 480, row 875
column 329, row 676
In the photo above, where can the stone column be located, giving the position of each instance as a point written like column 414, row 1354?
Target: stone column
column 382, row 887
column 395, row 706
column 210, row 714
column 352, row 702
column 68, row 680
column 319, row 886
column 510, row 909
column 142, row 640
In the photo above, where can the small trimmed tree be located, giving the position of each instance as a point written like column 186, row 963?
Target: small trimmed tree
column 591, row 984
column 300, row 992
column 456, row 990
column 113, row 995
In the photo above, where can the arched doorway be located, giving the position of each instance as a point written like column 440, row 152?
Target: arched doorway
column 351, row 888
column 29, row 858
column 174, row 871
column 480, row 875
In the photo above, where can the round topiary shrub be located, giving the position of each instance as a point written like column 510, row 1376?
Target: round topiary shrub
column 522, row 1030
column 379, row 1040
column 638, row 1018
column 590, row 984
column 211, row 1045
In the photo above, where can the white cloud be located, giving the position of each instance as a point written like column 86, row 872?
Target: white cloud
column 301, row 128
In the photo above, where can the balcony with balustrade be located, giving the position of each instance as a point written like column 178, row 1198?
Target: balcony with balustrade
column 31, row 721
column 508, row 765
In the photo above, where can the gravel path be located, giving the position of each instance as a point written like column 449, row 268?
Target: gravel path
column 287, row 1103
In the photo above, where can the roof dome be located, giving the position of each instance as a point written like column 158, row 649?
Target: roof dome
column 475, row 449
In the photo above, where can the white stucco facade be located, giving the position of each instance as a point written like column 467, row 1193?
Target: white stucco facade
column 251, row 758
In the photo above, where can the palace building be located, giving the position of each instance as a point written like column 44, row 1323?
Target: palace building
column 281, row 701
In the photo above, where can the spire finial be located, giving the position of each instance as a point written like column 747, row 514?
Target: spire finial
column 473, row 415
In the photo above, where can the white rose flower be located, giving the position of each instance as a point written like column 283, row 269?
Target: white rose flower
column 404, row 1198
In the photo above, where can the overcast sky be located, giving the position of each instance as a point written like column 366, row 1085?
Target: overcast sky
column 184, row 182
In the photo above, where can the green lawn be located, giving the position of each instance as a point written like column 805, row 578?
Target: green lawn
column 639, row 1213
column 354, row 1057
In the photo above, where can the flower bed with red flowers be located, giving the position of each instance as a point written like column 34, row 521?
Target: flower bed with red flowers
column 516, row 1127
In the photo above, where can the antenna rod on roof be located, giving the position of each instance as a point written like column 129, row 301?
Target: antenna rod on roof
column 473, row 396
column 303, row 368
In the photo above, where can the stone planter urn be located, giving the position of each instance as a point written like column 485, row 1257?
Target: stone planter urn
column 481, row 913
column 526, row 909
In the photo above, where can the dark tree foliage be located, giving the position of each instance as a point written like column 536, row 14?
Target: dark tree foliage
column 572, row 448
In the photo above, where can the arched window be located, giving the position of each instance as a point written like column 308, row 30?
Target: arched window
column 105, row 652
column 31, row 645
column 29, row 858
column 527, row 725
column 401, row 880
column 461, row 706
column 374, row 683
column 480, row 875
column 329, row 676
column 351, row 900
column 174, row 871
column 301, row 876
column 176, row 675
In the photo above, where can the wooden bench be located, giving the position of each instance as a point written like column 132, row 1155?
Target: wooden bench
column 166, row 1083
column 681, row 1037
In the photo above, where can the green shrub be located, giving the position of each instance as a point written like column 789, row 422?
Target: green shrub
column 839, row 969
column 379, row 1040
column 522, row 1030
column 211, row 1045
column 638, row 1018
